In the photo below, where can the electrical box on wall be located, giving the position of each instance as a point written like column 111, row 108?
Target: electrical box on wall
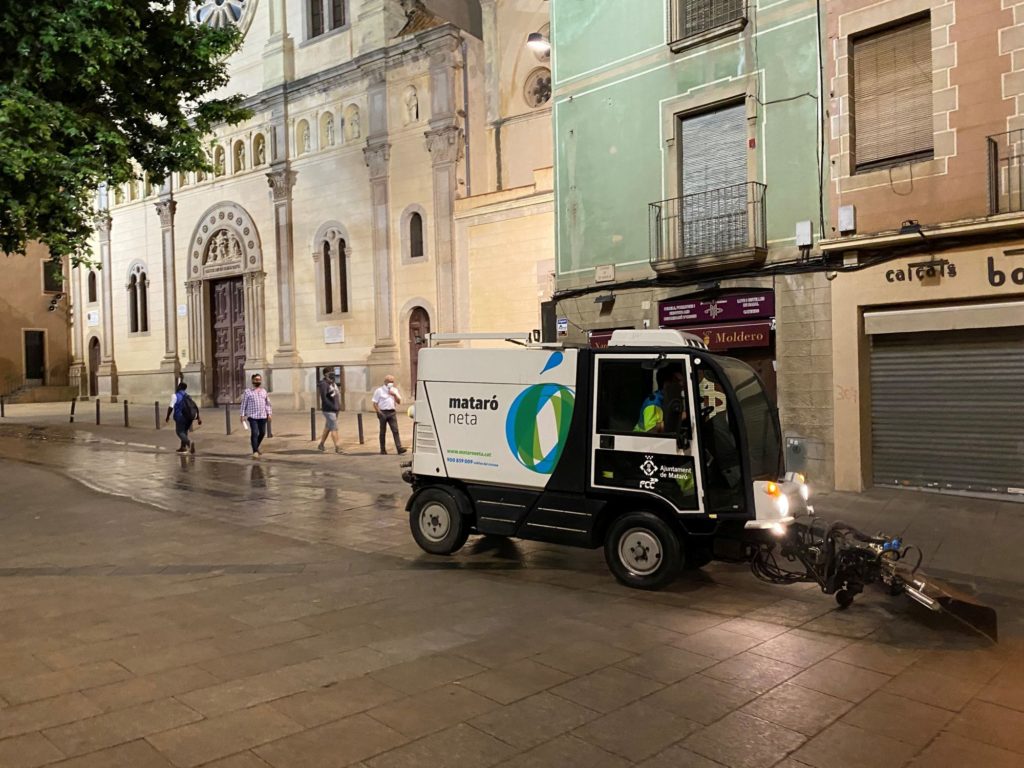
column 847, row 220
column 804, row 236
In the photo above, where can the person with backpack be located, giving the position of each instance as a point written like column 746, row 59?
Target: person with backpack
column 185, row 411
column 330, row 404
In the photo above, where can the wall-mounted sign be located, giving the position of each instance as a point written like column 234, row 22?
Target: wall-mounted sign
column 741, row 306
column 182, row 310
column 604, row 274
column 562, row 326
column 734, row 335
column 92, row 317
column 334, row 334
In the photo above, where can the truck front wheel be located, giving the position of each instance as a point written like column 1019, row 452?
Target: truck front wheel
column 437, row 523
column 642, row 551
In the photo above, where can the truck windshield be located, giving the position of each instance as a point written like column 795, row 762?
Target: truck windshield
column 763, row 440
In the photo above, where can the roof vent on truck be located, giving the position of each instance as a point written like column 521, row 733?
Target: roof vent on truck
column 659, row 337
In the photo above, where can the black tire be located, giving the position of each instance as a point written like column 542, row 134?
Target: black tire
column 844, row 598
column 642, row 551
column 437, row 523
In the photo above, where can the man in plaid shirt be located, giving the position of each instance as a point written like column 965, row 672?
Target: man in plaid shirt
column 257, row 411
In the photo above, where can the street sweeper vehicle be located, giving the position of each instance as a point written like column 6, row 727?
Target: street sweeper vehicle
column 666, row 455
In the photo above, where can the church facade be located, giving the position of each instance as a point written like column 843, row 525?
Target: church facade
column 326, row 235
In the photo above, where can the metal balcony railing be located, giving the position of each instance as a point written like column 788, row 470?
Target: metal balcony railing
column 700, row 229
column 690, row 18
column 1006, row 172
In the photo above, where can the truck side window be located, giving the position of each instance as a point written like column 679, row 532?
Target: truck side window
column 636, row 399
column 719, row 446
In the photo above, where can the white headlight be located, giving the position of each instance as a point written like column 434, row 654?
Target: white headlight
column 805, row 492
column 782, row 503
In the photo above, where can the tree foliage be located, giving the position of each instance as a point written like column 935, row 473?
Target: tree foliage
column 86, row 88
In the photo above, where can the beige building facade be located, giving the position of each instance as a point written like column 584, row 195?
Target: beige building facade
column 926, row 151
column 34, row 320
column 337, row 228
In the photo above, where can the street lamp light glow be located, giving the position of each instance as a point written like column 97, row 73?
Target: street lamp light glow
column 537, row 43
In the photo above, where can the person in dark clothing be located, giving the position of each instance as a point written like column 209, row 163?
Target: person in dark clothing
column 330, row 404
column 185, row 411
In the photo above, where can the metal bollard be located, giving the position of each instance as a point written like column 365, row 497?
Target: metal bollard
column 312, row 423
column 126, row 413
column 227, row 419
column 73, row 411
column 156, row 413
column 359, row 424
column 97, row 411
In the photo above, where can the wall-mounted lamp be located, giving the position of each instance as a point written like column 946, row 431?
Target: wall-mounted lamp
column 911, row 227
column 608, row 298
column 538, row 43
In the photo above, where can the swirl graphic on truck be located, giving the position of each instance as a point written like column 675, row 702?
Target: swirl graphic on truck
column 538, row 425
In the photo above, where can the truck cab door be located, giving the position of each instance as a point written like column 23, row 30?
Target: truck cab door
column 644, row 440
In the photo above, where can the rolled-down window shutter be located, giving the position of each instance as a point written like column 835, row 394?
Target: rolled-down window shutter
column 892, row 94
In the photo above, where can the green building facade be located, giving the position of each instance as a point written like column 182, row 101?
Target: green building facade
column 688, row 167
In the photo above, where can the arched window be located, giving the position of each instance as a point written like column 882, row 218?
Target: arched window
column 332, row 255
column 91, row 283
column 138, row 300
column 416, row 236
column 328, row 281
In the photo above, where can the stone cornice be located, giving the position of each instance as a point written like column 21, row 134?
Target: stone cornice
column 367, row 66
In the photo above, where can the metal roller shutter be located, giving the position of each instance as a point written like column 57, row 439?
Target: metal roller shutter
column 947, row 409
column 713, row 178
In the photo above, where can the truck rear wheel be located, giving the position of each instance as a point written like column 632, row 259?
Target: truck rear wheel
column 437, row 523
column 642, row 551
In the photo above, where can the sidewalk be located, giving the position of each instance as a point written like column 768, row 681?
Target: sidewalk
column 973, row 542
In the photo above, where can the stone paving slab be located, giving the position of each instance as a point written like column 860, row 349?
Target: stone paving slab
column 257, row 627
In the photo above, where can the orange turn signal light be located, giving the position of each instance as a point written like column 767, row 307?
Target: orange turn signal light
column 772, row 489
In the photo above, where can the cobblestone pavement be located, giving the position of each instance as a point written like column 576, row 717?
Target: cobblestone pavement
column 223, row 612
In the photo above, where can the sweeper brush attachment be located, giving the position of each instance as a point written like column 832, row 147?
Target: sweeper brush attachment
column 843, row 560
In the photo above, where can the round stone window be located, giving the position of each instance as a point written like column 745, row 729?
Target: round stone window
column 223, row 13
column 537, row 90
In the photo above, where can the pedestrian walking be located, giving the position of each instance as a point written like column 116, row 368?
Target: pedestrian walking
column 256, row 412
column 185, row 411
column 330, row 404
column 386, row 399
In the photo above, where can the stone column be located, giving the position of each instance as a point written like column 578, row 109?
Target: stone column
column 378, row 158
column 195, row 372
column 444, row 142
column 377, row 154
column 107, row 373
column 78, row 375
column 255, row 322
column 170, row 362
column 444, row 145
column 281, row 182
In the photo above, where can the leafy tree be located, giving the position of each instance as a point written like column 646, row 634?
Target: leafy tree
column 86, row 88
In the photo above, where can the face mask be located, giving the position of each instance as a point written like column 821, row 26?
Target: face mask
column 257, row 384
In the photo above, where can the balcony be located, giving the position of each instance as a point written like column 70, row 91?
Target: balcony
column 692, row 22
column 709, row 231
column 1006, row 172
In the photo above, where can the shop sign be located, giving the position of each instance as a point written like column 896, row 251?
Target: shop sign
column 743, row 306
column 734, row 335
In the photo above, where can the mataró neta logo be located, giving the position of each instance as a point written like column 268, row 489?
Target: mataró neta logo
column 538, row 425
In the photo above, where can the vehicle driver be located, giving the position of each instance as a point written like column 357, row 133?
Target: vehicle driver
column 652, row 412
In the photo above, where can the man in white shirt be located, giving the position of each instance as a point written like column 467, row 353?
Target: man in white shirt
column 386, row 399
